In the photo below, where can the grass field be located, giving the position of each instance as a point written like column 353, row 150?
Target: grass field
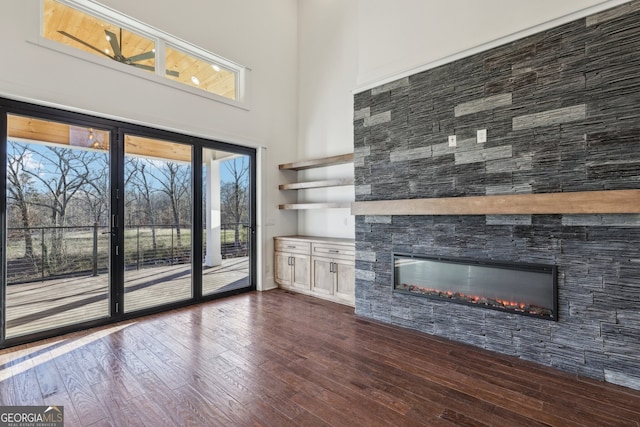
column 80, row 251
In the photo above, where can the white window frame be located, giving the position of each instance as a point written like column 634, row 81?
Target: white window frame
column 161, row 39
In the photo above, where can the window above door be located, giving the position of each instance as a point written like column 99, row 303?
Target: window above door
column 104, row 36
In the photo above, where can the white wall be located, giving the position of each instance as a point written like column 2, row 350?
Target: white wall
column 352, row 45
column 327, row 72
column 400, row 35
column 306, row 57
column 259, row 34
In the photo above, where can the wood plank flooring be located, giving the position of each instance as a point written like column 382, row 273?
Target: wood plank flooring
column 283, row 359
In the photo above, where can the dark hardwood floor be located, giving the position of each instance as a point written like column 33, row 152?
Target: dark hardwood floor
column 282, row 359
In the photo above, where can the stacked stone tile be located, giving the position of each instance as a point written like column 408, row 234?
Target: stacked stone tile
column 562, row 111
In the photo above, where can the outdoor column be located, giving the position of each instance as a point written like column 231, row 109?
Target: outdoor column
column 213, row 254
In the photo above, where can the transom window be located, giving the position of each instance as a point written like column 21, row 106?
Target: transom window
column 136, row 45
column 200, row 73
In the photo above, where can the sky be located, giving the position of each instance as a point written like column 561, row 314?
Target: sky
column 36, row 160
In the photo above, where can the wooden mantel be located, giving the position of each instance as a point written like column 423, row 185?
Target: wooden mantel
column 582, row 202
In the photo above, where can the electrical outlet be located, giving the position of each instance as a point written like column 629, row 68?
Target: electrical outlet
column 452, row 140
column 482, row 135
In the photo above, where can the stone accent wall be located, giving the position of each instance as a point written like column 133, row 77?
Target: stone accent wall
column 562, row 113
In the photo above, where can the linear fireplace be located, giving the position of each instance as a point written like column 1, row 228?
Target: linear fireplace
column 527, row 289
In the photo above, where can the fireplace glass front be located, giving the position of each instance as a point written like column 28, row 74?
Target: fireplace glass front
column 527, row 289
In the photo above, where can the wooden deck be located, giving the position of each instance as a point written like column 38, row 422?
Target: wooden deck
column 281, row 359
column 37, row 306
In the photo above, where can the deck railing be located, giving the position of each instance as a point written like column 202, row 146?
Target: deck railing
column 39, row 253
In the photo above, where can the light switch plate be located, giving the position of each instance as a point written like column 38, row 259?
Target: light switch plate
column 482, row 135
column 452, row 140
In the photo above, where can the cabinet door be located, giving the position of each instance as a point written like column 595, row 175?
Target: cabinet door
column 301, row 272
column 282, row 269
column 345, row 272
column 323, row 277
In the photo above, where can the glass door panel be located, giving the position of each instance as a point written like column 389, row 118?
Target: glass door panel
column 226, row 221
column 157, row 222
column 57, row 237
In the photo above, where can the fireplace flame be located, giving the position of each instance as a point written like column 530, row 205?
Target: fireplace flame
column 496, row 303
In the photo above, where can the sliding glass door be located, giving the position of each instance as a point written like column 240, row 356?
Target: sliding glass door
column 227, row 227
column 57, row 237
column 157, row 222
column 104, row 220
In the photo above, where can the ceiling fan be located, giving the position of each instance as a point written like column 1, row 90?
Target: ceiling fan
column 116, row 47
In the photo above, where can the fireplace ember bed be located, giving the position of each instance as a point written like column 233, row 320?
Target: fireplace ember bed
column 520, row 288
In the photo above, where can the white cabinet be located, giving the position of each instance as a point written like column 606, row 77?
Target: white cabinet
column 292, row 264
column 319, row 266
column 332, row 266
column 333, row 271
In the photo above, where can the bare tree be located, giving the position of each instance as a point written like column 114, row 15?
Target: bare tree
column 234, row 194
column 137, row 180
column 20, row 190
column 96, row 192
column 174, row 181
column 61, row 172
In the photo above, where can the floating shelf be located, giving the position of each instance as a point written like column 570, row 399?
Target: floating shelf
column 579, row 202
column 316, row 184
column 332, row 182
column 298, row 206
column 318, row 163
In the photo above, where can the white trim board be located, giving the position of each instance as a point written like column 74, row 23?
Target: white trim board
column 411, row 69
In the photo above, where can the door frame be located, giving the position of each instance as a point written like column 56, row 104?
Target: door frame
column 118, row 130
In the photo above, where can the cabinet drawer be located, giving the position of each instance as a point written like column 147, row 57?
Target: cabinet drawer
column 293, row 246
column 339, row 251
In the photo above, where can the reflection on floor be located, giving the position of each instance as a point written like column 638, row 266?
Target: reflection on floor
column 33, row 307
